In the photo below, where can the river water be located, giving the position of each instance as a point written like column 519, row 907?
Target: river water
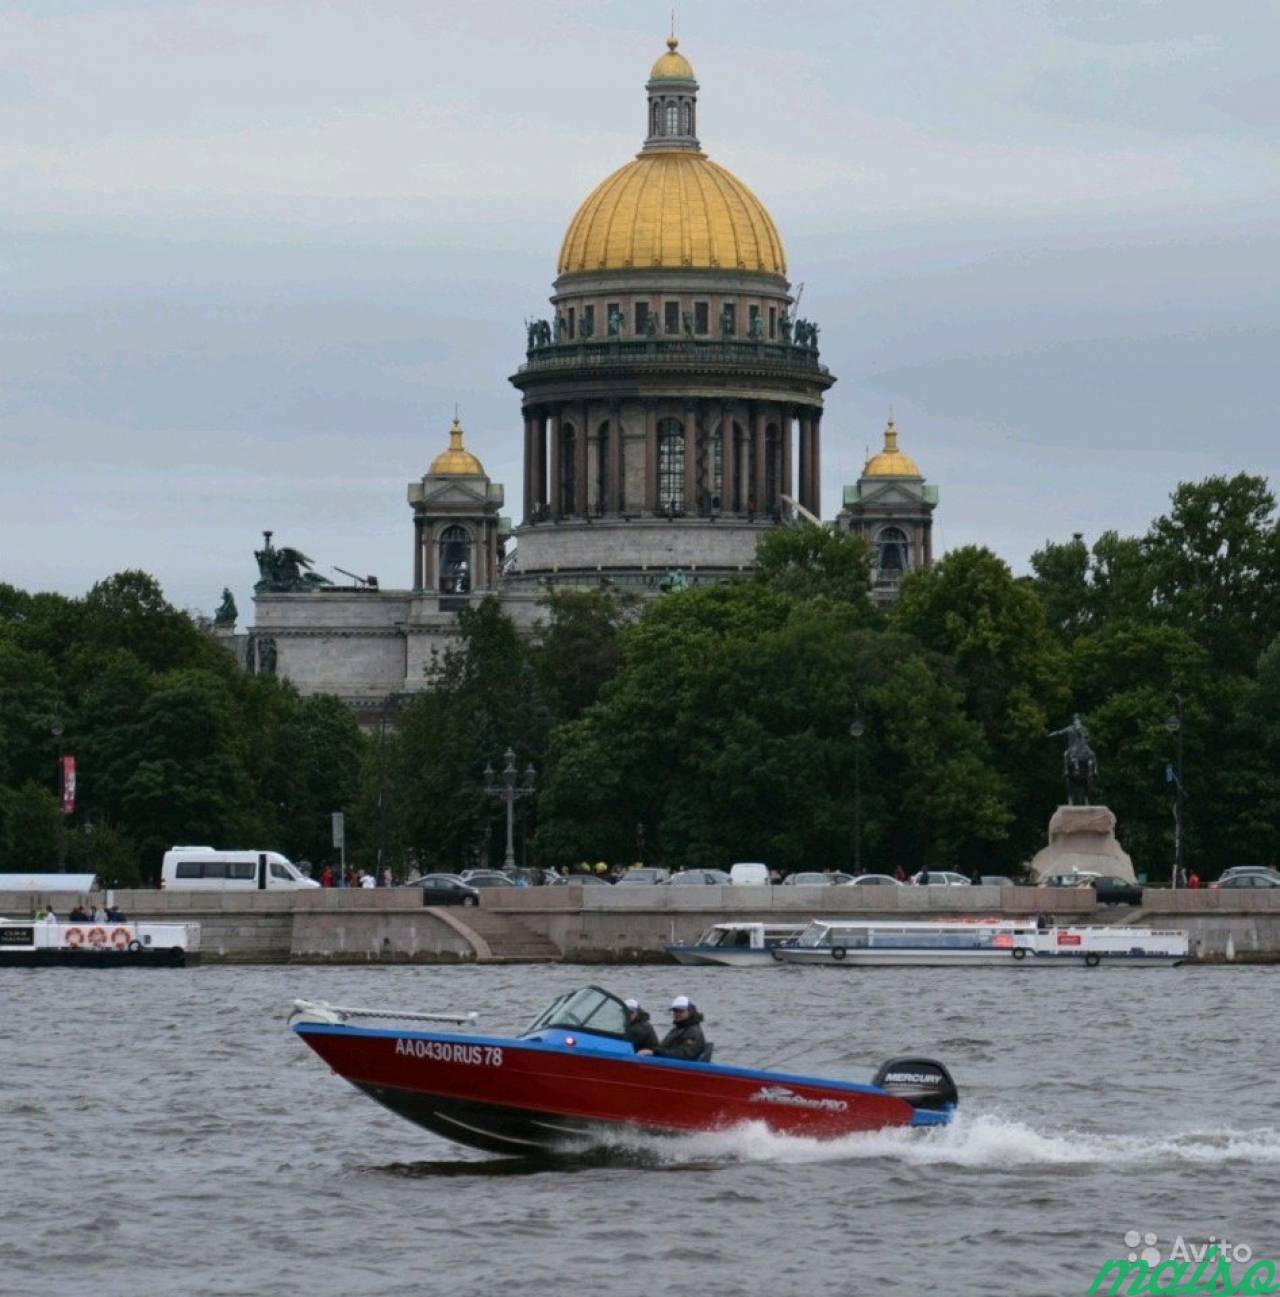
column 165, row 1134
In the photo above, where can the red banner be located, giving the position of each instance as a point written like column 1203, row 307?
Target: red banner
column 68, row 785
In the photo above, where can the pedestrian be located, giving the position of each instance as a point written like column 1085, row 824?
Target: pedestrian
column 326, row 876
column 386, row 876
column 900, row 874
column 1193, row 881
column 367, row 880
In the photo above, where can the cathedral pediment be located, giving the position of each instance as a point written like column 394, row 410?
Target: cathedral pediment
column 454, row 495
column 895, row 494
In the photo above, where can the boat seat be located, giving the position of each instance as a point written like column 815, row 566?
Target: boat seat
column 707, row 1050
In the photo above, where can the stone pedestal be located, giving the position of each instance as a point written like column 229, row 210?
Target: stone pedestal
column 1082, row 837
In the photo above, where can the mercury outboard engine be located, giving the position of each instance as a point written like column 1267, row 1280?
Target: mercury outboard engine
column 922, row 1082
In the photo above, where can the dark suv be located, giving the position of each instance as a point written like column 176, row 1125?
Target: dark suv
column 445, row 889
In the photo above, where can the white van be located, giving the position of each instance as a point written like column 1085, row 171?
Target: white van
column 751, row 873
column 202, row 869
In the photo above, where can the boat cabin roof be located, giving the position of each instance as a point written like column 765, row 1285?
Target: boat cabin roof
column 927, row 925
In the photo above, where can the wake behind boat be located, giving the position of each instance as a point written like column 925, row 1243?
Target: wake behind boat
column 571, row 1081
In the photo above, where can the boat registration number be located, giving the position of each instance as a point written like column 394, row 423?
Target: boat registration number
column 445, row 1051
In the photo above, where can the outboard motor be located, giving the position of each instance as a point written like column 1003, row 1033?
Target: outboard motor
column 922, row 1082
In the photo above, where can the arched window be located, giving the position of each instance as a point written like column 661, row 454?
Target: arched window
column 602, row 468
column 686, row 117
column 673, row 119
column 568, row 469
column 893, row 552
column 455, row 560
column 772, row 466
column 657, row 119
column 670, row 464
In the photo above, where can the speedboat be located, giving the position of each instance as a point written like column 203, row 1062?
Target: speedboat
column 738, row 945
column 979, row 943
column 572, row 1082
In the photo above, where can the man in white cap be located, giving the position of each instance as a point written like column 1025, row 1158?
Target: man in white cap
column 685, row 1039
column 640, row 1032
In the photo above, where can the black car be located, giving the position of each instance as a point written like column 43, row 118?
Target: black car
column 1116, row 891
column 445, row 889
column 488, row 878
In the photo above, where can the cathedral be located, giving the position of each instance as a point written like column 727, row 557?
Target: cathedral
column 672, row 408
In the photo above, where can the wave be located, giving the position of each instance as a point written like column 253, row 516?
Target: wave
column 978, row 1141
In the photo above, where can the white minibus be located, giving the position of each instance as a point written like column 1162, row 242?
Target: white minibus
column 202, row 869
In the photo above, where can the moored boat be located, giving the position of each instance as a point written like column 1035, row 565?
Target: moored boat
column 38, row 944
column 737, row 945
column 979, row 943
column 572, row 1082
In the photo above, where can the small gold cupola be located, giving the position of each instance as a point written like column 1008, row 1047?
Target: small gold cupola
column 456, row 461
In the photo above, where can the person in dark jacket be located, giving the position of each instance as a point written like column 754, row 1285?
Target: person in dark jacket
column 640, row 1032
column 685, row 1039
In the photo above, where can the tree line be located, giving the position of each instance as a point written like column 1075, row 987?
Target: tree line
column 708, row 725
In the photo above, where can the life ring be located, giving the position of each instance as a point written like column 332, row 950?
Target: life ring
column 74, row 938
column 120, row 938
column 1019, row 952
column 838, row 952
column 135, row 945
column 97, row 937
column 1092, row 960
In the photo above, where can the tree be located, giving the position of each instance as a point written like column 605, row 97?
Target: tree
column 804, row 561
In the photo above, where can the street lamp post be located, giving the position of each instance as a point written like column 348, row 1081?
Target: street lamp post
column 1174, row 726
column 511, row 788
column 55, row 728
column 856, row 730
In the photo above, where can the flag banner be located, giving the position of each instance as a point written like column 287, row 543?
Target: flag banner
column 68, row 785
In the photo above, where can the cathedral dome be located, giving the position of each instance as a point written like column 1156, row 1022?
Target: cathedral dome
column 676, row 210
column 891, row 462
column 456, row 461
column 672, row 65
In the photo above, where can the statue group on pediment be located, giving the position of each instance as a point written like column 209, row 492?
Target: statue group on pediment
column 284, row 571
column 806, row 334
column 539, row 333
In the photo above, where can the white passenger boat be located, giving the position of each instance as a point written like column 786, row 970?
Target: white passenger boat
column 36, row 944
column 738, row 945
column 978, row 943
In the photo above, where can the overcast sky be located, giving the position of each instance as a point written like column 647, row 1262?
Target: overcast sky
column 251, row 254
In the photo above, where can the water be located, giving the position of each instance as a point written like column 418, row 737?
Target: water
column 164, row 1133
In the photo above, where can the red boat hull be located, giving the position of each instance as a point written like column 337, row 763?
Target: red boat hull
column 522, row 1098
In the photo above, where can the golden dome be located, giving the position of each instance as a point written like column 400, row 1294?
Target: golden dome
column 671, row 64
column 455, row 461
column 891, row 462
column 672, row 210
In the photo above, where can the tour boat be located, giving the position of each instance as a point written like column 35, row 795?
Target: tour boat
column 738, row 945
column 37, row 944
column 979, row 943
column 572, row 1083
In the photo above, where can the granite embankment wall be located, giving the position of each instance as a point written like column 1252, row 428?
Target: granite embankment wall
column 627, row 924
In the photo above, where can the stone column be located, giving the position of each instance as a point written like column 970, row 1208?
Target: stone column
column 540, row 457
column 491, row 553
column 806, row 461
column 650, row 456
column 691, row 458
column 580, row 483
column 615, row 502
column 728, row 459
column 556, row 476
column 784, row 431
column 417, row 553
column 429, row 558
column 758, row 418
column 928, row 542
column 817, row 463
column 528, row 466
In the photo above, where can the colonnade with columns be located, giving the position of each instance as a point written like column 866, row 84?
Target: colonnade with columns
column 773, row 449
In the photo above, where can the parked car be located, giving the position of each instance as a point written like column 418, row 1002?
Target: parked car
column 488, row 878
column 1115, row 891
column 873, row 880
column 809, row 878
column 698, row 878
column 569, row 880
column 648, row 875
column 1237, row 871
column 1248, row 880
column 996, row 880
column 749, row 873
column 445, row 889
column 1073, row 879
column 940, row 878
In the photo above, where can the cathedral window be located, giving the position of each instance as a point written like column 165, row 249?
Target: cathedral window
column 892, row 553
column 773, row 322
column 657, row 119
column 642, row 319
column 671, row 317
column 729, row 319
column 673, row 119
column 455, row 560
column 670, row 465
column 588, row 321
column 602, row 467
column 701, row 317
column 571, row 321
column 686, row 117
column 717, row 470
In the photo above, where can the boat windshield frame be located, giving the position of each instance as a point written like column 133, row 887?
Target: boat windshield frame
column 593, row 1011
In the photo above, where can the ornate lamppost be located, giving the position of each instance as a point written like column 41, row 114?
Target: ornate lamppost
column 55, row 728
column 856, row 730
column 510, row 790
column 1174, row 726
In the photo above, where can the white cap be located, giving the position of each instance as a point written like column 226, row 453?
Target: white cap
column 633, row 1005
column 680, row 1002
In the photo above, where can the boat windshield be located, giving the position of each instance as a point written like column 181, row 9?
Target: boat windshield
column 814, row 935
column 588, row 1009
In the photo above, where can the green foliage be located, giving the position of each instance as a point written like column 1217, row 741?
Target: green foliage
column 806, row 561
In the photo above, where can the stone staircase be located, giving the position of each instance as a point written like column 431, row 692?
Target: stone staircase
column 509, row 939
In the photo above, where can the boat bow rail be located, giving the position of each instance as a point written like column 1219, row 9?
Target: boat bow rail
column 338, row 1015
